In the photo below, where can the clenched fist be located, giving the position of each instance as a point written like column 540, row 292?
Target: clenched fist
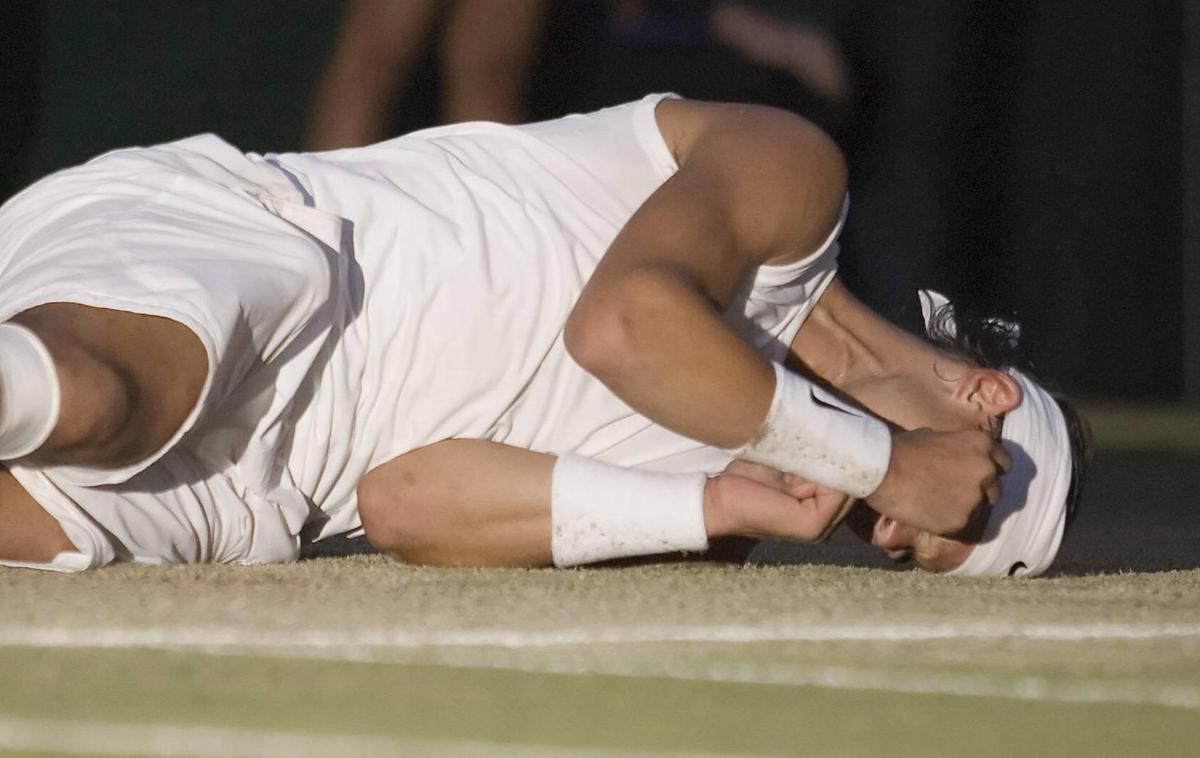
column 938, row 481
column 752, row 500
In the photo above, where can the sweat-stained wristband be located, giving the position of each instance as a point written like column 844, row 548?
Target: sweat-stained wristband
column 29, row 392
column 811, row 433
column 600, row 511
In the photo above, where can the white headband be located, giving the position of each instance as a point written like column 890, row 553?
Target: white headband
column 1026, row 526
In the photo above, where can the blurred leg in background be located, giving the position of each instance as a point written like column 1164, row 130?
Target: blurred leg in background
column 485, row 49
column 379, row 44
column 488, row 50
column 892, row 71
column 803, row 49
column 670, row 45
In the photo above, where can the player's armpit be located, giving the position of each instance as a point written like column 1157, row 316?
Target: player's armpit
column 128, row 381
column 461, row 502
column 28, row 534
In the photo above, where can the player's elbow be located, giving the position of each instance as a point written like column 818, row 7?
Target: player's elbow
column 392, row 519
column 594, row 338
column 402, row 518
column 610, row 331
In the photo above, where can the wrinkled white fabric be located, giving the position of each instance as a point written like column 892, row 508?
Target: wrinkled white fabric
column 354, row 305
column 202, row 234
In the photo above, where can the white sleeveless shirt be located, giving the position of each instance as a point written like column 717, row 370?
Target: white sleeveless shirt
column 354, row 305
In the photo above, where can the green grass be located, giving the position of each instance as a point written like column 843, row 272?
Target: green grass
column 837, row 696
column 598, row 711
column 356, row 648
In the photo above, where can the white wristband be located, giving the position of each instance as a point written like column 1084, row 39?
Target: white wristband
column 600, row 511
column 811, row 433
column 29, row 392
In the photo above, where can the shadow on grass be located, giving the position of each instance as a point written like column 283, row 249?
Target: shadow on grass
column 1140, row 512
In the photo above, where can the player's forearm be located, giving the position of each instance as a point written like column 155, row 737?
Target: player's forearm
column 479, row 503
column 461, row 503
column 506, row 537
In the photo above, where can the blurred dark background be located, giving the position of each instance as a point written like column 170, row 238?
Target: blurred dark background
column 1024, row 155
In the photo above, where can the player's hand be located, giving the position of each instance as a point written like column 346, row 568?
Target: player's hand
column 752, row 500
column 939, row 481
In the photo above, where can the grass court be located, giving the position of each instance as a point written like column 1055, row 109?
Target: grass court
column 799, row 653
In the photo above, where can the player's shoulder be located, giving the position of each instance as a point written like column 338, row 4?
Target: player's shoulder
column 686, row 124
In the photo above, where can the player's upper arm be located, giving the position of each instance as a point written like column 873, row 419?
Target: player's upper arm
column 128, row 381
column 754, row 185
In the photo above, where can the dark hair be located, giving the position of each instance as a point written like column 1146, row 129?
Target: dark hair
column 993, row 341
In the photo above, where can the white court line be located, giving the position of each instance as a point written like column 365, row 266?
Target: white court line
column 896, row 681
column 382, row 646
column 180, row 741
column 214, row 637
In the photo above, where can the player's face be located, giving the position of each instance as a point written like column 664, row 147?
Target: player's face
column 942, row 393
column 904, row 544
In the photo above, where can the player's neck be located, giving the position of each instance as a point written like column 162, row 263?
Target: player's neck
column 846, row 344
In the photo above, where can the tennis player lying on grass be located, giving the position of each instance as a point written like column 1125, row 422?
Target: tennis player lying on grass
column 490, row 345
